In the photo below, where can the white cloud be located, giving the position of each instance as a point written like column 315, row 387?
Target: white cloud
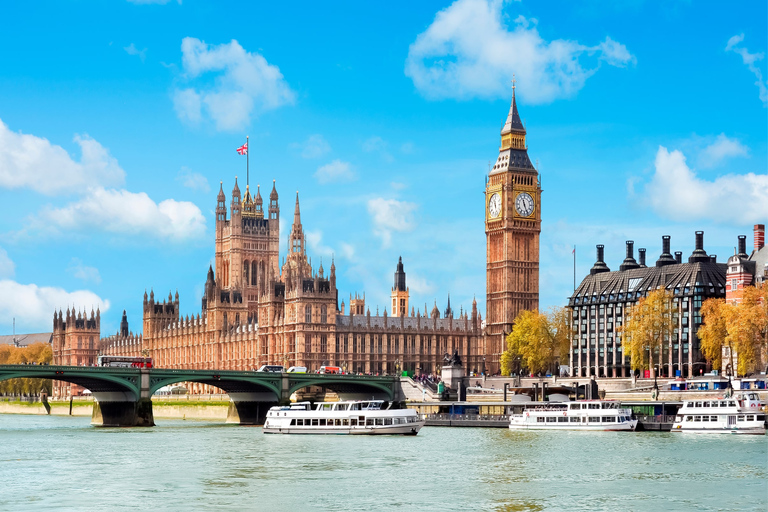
column 126, row 213
column 193, row 180
column 418, row 285
column 390, row 215
column 84, row 272
column 27, row 161
column 675, row 192
column 749, row 60
column 7, row 267
column 334, row 172
column 245, row 85
column 378, row 145
column 720, row 149
column 469, row 51
column 314, row 147
column 132, row 50
column 347, row 250
column 32, row 306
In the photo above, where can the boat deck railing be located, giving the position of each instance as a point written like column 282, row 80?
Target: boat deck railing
column 468, row 417
column 659, row 418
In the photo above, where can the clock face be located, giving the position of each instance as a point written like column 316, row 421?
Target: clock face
column 494, row 205
column 524, row 204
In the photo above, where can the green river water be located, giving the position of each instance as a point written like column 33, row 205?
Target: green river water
column 62, row 463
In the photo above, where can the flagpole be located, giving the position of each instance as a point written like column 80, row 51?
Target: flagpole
column 574, row 269
column 247, row 163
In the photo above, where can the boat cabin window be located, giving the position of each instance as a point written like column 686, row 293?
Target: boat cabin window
column 594, row 406
column 562, row 419
column 731, row 403
column 607, row 419
column 326, row 407
column 551, row 419
column 341, row 407
column 575, row 406
column 697, row 418
column 354, row 407
column 741, row 417
column 352, row 422
column 706, row 404
column 689, row 418
column 698, row 404
column 574, row 419
column 540, row 419
column 594, row 419
column 750, row 417
column 369, row 422
column 760, row 417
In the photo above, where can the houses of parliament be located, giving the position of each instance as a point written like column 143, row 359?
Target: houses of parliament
column 256, row 311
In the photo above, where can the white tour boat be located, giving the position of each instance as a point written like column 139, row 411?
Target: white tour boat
column 734, row 415
column 344, row 417
column 579, row 415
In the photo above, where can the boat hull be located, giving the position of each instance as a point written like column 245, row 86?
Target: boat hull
column 622, row 427
column 758, row 431
column 408, row 429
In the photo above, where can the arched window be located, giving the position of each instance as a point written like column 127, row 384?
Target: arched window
column 79, row 342
column 308, row 314
column 254, row 273
column 246, row 273
column 324, row 314
column 90, row 343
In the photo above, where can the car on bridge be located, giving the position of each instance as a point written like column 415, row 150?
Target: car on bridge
column 297, row 369
column 274, row 368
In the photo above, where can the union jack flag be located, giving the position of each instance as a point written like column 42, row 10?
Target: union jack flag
column 243, row 150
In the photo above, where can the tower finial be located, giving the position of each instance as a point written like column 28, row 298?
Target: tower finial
column 514, row 81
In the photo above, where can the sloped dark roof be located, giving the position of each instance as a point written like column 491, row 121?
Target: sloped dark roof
column 638, row 281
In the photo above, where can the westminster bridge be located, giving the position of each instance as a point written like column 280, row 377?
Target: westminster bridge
column 123, row 396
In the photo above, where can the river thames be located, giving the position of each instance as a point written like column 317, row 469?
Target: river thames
column 62, row 463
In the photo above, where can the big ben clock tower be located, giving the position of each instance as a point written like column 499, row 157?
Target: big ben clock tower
column 512, row 227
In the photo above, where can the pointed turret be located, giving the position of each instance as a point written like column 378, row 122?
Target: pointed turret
column 221, row 204
column 513, row 124
column 513, row 153
column 236, row 200
column 258, row 203
column 297, row 211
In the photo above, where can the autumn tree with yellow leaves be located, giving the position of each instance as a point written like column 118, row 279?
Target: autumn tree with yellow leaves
column 647, row 328
column 741, row 326
column 536, row 341
column 38, row 353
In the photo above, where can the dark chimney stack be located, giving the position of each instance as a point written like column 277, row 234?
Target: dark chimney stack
column 679, row 256
column 629, row 261
column 666, row 257
column 599, row 265
column 743, row 246
column 641, row 252
column 699, row 255
column 713, row 258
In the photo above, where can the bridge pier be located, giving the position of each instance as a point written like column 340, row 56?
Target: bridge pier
column 250, row 408
column 122, row 413
column 124, row 409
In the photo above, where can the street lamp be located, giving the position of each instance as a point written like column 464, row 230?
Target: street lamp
column 484, row 366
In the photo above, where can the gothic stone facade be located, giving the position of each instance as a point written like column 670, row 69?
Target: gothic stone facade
column 256, row 311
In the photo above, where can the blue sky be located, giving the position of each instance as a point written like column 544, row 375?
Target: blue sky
column 119, row 119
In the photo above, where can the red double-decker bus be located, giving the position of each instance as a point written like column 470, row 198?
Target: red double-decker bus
column 125, row 362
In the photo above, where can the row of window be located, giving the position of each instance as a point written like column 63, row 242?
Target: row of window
column 574, row 419
column 741, row 417
column 351, row 422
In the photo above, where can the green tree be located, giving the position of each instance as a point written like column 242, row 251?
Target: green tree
column 647, row 327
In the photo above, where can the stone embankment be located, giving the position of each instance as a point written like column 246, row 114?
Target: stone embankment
column 200, row 407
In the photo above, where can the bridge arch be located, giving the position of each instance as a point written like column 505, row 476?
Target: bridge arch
column 97, row 380
column 233, row 383
column 344, row 384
